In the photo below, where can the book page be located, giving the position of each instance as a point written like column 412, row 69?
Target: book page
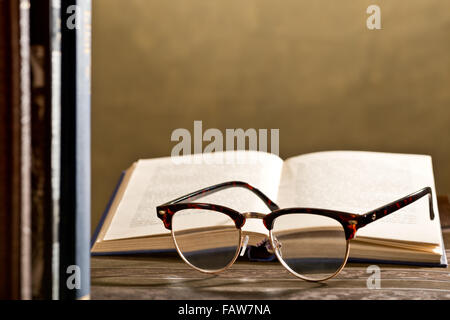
column 157, row 181
column 358, row 182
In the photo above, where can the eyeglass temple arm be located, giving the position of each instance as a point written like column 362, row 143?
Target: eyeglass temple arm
column 383, row 211
column 218, row 187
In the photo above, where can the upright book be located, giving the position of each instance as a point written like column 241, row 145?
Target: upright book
column 74, row 226
column 15, row 151
column 45, row 54
column 349, row 181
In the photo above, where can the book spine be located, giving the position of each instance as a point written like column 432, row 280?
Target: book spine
column 45, row 88
column 15, row 151
column 75, row 149
column 55, row 34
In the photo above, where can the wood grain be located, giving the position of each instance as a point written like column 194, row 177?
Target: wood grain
column 165, row 276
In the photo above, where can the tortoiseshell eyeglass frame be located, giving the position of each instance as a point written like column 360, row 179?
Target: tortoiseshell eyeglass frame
column 351, row 222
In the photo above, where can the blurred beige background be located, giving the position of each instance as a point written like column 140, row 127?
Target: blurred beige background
column 310, row 68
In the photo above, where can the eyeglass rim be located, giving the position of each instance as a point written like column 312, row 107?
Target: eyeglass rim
column 298, row 275
column 271, row 239
column 236, row 255
column 240, row 219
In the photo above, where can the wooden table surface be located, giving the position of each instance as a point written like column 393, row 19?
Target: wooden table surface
column 166, row 276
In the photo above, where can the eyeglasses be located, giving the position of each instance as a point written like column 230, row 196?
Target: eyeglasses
column 313, row 244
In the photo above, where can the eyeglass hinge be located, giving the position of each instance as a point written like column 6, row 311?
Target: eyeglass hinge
column 161, row 212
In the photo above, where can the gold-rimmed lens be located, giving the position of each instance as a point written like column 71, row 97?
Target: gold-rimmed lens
column 312, row 247
column 207, row 240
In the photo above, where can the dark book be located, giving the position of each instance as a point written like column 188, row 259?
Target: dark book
column 15, row 151
column 74, row 228
column 46, row 105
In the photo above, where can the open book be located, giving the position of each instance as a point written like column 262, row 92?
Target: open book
column 350, row 181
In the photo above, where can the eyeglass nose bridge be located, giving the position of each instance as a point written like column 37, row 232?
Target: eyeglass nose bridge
column 254, row 215
column 268, row 244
